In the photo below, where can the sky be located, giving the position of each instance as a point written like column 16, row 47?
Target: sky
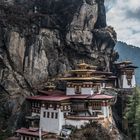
column 124, row 16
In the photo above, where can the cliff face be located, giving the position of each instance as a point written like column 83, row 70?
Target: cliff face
column 42, row 39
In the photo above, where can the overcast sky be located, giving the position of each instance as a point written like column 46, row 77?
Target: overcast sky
column 124, row 16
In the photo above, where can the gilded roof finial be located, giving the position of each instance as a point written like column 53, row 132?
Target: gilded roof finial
column 50, row 85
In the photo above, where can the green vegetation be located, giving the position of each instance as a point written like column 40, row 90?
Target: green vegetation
column 133, row 115
column 4, row 135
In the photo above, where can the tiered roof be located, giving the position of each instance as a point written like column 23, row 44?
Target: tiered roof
column 85, row 72
column 125, row 65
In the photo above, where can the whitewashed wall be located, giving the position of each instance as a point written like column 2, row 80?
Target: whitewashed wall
column 70, row 91
column 125, row 83
column 88, row 91
column 51, row 124
column 105, row 110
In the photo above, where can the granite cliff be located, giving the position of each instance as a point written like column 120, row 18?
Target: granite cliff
column 40, row 40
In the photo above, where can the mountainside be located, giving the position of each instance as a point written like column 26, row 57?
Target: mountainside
column 40, row 40
column 129, row 52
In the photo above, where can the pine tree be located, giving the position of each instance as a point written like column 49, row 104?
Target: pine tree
column 132, row 114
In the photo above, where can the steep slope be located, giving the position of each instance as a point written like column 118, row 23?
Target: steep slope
column 41, row 40
column 129, row 52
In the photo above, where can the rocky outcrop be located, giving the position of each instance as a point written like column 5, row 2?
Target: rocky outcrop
column 41, row 39
column 101, row 130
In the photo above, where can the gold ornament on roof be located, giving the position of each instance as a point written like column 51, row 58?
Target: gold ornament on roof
column 50, row 86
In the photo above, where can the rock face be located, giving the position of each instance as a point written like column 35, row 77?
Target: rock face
column 102, row 130
column 41, row 40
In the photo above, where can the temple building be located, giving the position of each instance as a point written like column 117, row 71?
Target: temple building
column 126, row 74
column 83, row 100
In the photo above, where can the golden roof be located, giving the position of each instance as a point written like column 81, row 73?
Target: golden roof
column 82, row 65
column 85, row 73
column 86, row 66
column 81, row 71
column 82, row 78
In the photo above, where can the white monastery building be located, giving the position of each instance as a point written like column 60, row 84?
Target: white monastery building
column 83, row 100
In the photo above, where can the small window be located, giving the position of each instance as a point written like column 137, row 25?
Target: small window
column 31, row 138
column 27, row 138
column 52, row 115
column 44, row 114
column 46, row 106
column 56, row 115
column 38, row 104
column 33, row 104
column 61, row 107
column 69, row 107
column 64, row 115
column 23, row 137
column 55, row 107
column 65, row 107
column 48, row 114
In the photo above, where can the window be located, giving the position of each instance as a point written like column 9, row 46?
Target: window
column 56, row 115
column 31, row 138
column 69, row 107
column 38, row 104
column 62, row 108
column 33, row 104
column 27, row 138
column 52, row 115
column 55, row 107
column 96, row 106
column 44, row 114
column 65, row 107
column 64, row 115
column 23, row 137
column 46, row 106
column 48, row 114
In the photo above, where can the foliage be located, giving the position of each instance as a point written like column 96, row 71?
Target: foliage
column 133, row 114
column 4, row 135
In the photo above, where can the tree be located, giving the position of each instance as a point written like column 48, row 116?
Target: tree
column 132, row 114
